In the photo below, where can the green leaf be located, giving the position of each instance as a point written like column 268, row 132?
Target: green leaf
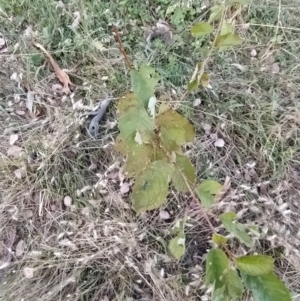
column 17, row 10
column 177, row 245
column 220, row 294
column 216, row 265
column 235, row 286
column 255, row 265
column 184, row 171
column 175, row 130
column 193, row 85
column 228, row 284
column 226, row 28
column 126, row 101
column 159, row 153
column 204, row 80
column 163, row 107
column 121, row 146
column 151, row 186
column 143, row 83
column 178, row 227
column 133, row 116
column 207, row 200
column 235, row 228
column 228, row 40
column 215, row 13
column 139, row 156
column 201, row 29
column 219, row 239
column 211, row 186
column 229, row 216
column 266, row 287
column 206, row 191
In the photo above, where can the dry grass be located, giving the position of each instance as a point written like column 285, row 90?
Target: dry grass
column 97, row 249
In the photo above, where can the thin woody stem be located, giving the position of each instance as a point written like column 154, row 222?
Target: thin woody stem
column 199, row 73
column 122, row 48
column 195, row 199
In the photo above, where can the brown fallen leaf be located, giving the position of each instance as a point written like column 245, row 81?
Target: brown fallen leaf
column 60, row 74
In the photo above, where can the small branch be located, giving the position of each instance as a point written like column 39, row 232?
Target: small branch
column 230, row 255
column 198, row 73
column 122, row 48
column 196, row 200
column 205, row 61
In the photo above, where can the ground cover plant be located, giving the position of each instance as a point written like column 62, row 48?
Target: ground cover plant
column 69, row 228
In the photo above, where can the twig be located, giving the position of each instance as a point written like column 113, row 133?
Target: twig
column 195, row 199
column 198, row 73
column 205, row 61
column 122, row 49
